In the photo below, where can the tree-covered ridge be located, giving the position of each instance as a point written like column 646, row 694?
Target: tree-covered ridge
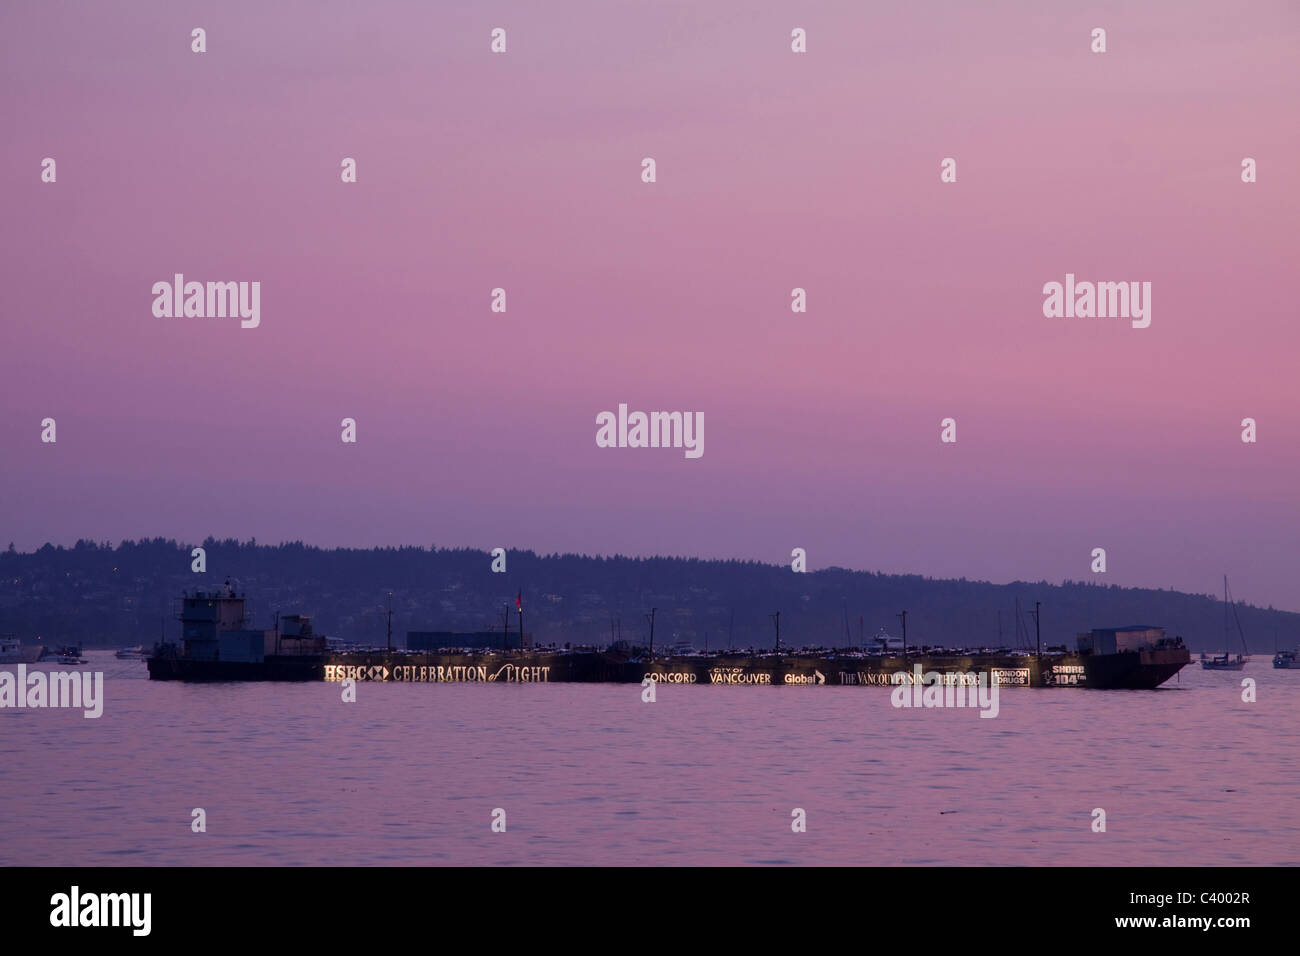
column 99, row 593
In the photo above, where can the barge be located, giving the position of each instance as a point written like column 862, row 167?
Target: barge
column 216, row 645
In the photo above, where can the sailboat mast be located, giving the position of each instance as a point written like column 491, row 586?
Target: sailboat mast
column 1226, row 627
column 1038, row 631
column 1240, row 633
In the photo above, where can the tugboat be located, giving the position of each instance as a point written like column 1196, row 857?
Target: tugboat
column 1227, row 662
column 1286, row 660
column 217, row 644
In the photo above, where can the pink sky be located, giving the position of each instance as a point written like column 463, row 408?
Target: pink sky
column 775, row 170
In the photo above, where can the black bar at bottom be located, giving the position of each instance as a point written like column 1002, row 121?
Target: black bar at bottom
column 764, row 905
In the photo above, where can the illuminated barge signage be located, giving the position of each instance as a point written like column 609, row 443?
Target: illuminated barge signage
column 816, row 677
column 733, row 675
column 876, row 678
column 440, row 673
column 1068, row 674
column 1010, row 676
column 737, row 675
column 916, row 676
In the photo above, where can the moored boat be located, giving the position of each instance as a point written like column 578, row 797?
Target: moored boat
column 1225, row 661
column 69, row 654
column 12, row 651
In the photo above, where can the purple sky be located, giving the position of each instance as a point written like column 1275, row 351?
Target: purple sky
column 775, row 170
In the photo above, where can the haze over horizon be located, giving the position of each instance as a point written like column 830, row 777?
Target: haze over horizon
column 775, row 171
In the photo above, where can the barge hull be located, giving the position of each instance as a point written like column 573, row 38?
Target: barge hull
column 1137, row 670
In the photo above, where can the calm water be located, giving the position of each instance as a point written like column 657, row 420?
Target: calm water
column 410, row 774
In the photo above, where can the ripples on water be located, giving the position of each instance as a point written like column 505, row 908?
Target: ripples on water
column 588, row 774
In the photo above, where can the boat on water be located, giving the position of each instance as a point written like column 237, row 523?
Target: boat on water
column 1226, row 661
column 1223, row 662
column 136, row 653
column 1287, row 660
column 13, row 652
column 69, row 654
column 217, row 644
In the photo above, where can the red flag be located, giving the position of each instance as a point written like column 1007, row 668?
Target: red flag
column 519, row 601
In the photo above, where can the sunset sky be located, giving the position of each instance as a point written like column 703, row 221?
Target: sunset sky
column 775, row 170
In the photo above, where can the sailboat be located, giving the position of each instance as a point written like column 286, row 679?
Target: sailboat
column 1227, row 662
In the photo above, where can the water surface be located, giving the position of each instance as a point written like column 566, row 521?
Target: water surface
column 588, row 774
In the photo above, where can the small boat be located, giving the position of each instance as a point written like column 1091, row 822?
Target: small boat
column 1287, row 660
column 69, row 654
column 1225, row 661
column 12, row 652
column 132, row 653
